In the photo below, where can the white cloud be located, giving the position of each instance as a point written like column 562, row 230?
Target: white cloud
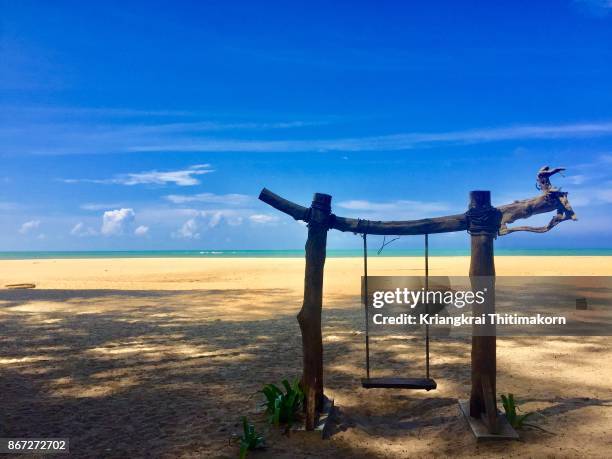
column 263, row 219
column 230, row 216
column 208, row 218
column 576, row 179
column 184, row 177
column 595, row 171
column 593, row 184
column 29, row 226
column 60, row 137
column 189, row 230
column 396, row 210
column 71, row 130
column 599, row 162
column 142, row 230
column 590, row 196
column 215, row 219
column 394, row 142
column 81, row 230
column 76, row 229
column 114, row 222
column 98, row 206
column 231, row 199
column 204, row 126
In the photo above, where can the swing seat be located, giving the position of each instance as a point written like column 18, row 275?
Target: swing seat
column 391, row 382
column 399, row 383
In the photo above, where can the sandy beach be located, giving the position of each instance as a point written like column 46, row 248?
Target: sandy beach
column 126, row 356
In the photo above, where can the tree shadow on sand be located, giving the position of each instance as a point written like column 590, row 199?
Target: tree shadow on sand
column 169, row 373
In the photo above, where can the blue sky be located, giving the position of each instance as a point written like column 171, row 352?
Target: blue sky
column 154, row 125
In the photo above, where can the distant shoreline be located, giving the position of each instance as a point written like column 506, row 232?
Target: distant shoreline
column 338, row 253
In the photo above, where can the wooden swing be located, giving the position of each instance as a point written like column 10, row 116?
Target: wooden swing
column 425, row 383
column 482, row 221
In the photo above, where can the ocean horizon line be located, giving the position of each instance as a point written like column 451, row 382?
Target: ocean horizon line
column 288, row 253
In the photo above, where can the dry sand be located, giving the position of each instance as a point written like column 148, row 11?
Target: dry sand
column 161, row 357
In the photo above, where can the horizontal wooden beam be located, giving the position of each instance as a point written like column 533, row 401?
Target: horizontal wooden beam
column 546, row 202
column 446, row 224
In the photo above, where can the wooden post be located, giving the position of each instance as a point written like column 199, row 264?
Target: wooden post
column 309, row 316
column 483, row 229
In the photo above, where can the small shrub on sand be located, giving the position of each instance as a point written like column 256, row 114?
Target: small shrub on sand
column 516, row 420
column 283, row 407
column 250, row 439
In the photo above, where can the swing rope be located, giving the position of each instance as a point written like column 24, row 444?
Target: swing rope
column 426, row 305
column 407, row 383
column 366, row 297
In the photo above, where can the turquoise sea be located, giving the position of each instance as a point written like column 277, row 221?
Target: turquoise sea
column 290, row 253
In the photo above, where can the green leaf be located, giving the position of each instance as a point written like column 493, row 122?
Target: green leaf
column 521, row 419
column 250, row 439
column 277, row 411
column 287, row 386
column 283, row 406
column 514, row 419
column 243, row 451
column 271, row 391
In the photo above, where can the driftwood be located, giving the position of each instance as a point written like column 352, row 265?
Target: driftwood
column 309, row 316
column 20, row 286
column 543, row 178
column 482, row 277
column 550, row 200
column 547, row 202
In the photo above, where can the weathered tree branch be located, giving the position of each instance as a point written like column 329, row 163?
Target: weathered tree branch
column 290, row 208
column 543, row 178
column 534, row 229
column 550, row 200
column 546, row 202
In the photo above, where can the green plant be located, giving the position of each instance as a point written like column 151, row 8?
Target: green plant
column 282, row 407
column 516, row 420
column 250, row 439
